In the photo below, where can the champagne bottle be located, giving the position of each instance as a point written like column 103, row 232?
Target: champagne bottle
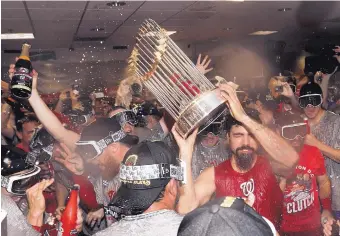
column 67, row 224
column 21, row 84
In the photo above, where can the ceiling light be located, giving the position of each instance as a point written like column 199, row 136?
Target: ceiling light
column 227, row 29
column 168, row 33
column 263, row 32
column 116, row 4
column 17, row 36
column 97, row 29
column 284, row 9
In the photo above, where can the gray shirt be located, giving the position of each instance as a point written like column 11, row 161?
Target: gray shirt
column 105, row 189
column 328, row 132
column 163, row 222
column 204, row 157
column 16, row 221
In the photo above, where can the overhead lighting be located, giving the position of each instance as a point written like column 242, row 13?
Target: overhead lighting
column 227, row 29
column 97, row 29
column 116, row 4
column 17, row 36
column 263, row 32
column 284, row 9
column 151, row 34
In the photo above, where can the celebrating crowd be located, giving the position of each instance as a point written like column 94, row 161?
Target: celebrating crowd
column 268, row 165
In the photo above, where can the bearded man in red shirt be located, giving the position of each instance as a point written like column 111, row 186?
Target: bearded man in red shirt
column 246, row 174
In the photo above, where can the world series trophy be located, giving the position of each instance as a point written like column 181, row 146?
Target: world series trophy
column 189, row 97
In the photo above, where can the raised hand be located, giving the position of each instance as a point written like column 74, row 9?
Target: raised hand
column 35, row 197
column 234, row 104
column 186, row 146
column 71, row 160
column 203, row 65
column 34, row 80
column 63, row 95
column 287, row 90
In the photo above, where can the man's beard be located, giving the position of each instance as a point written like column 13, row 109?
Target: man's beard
column 244, row 161
column 177, row 198
column 110, row 171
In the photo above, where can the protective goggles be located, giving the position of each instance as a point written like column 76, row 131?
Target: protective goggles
column 291, row 132
column 80, row 119
column 216, row 125
column 20, row 182
column 314, row 100
column 151, row 172
column 126, row 117
column 37, row 156
column 41, row 138
column 216, row 128
column 92, row 149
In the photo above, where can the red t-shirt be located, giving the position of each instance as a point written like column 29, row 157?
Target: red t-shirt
column 301, row 206
column 260, row 180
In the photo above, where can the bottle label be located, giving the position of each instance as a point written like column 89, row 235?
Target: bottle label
column 23, row 75
column 23, row 70
column 21, row 86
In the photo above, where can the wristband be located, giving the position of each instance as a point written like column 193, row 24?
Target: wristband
column 326, row 204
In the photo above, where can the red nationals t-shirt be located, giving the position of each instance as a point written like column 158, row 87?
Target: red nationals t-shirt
column 260, row 181
column 301, row 206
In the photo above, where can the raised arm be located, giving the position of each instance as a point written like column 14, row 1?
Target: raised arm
column 49, row 120
column 324, row 86
column 193, row 194
column 281, row 152
column 288, row 92
column 46, row 116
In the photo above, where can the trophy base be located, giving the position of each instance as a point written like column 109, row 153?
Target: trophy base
column 201, row 111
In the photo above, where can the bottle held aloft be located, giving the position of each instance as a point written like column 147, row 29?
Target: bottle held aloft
column 21, row 84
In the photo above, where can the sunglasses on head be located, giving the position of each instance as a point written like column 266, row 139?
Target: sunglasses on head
column 313, row 100
column 91, row 149
column 19, row 183
column 291, row 132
